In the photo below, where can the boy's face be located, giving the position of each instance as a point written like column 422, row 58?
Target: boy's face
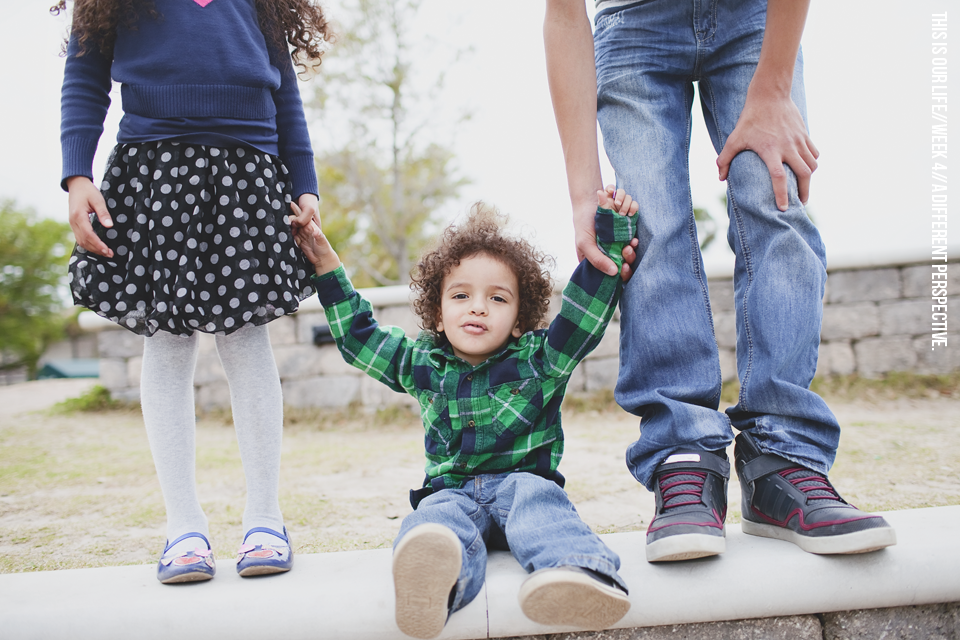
column 479, row 306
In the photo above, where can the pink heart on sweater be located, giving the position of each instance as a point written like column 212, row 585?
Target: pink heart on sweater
column 203, row 3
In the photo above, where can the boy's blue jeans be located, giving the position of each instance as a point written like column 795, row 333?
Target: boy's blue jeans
column 648, row 56
column 529, row 513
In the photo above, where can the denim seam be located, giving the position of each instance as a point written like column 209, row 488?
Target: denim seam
column 692, row 233
column 711, row 29
column 461, row 587
column 704, row 288
column 734, row 214
column 748, row 269
column 698, row 58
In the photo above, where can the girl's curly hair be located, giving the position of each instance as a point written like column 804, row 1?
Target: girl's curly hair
column 482, row 233
column 301, row 23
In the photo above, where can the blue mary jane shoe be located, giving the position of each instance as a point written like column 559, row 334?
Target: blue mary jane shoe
column 192, row 566
column 260, row 560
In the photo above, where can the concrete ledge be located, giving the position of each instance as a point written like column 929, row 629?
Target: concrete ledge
column 349, row 595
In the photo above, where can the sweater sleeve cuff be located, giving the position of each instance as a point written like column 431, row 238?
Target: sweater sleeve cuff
column 612, row 227
column 77, row 158
column 304, row 175
column 333, row 287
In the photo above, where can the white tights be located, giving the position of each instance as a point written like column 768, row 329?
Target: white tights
column 166, row 396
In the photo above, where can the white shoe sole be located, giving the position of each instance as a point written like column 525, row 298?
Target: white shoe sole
column 857, row 542
column 426, row 565
column 562, row 597
column 685, row 547
column 195, row 576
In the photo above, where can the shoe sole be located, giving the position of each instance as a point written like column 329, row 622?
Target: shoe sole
column 569, row 598
column 685, row 547
column 249, row 572
column 847, row 543
column 426, row 565
column 193, row 576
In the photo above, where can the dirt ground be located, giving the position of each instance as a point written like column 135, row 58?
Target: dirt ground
column 80, row 490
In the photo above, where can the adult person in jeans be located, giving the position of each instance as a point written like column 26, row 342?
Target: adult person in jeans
column 641, row 63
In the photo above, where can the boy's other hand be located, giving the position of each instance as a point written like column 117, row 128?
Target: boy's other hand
column 623, row 203
column 618, row 200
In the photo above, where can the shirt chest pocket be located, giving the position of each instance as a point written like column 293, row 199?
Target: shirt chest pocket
column 515, row 406
column 435, row 415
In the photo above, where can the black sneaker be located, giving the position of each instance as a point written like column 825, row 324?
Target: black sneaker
column 786, row 501
column 691, row 492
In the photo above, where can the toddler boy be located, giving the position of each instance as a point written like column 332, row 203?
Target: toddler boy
column 489, row 382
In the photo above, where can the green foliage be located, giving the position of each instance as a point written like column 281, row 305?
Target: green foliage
column 896, row 384
column 352, row 417
column 97, row 398
column 599, row 401
column 730, row 392
column 849, row 388
column 385, row 177
column 33, row 263
column 706, row 226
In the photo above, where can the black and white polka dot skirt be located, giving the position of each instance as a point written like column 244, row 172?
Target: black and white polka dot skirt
column 201, row 241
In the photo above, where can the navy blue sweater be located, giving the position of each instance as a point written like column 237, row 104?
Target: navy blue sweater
column 197, row 74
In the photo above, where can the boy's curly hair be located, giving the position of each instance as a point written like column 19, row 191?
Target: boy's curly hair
column 483, row 233
column 302, row 23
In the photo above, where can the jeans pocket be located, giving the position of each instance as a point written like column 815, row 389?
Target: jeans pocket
column 435, row 415
column 515, row 406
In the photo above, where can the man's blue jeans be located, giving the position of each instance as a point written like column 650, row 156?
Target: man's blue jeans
column 648, row 56
column 530, row 514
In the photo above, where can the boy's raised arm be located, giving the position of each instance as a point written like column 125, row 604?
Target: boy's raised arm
column 591, row 296
column 383, row 353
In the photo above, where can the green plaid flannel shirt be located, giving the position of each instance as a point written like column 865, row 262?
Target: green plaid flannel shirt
column 504, row 414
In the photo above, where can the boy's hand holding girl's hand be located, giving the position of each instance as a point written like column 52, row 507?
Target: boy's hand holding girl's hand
column 620, row 201
column 308, row 236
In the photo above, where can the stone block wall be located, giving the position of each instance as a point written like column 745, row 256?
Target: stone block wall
column 876, row 320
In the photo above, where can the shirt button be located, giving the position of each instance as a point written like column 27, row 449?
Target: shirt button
column 471, row 424
column 514, row 391
column 470, row 376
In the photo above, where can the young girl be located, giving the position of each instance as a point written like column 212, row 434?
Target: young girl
column 189, row 229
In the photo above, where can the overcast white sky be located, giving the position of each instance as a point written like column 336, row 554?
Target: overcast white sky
column 868, row 87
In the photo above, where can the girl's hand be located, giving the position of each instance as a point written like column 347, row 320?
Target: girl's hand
column 620, row 201
column 304, row 210
column 84, row 197
column 315, row 246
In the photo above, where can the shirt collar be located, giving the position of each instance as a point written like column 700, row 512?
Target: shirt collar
column 441, row 353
